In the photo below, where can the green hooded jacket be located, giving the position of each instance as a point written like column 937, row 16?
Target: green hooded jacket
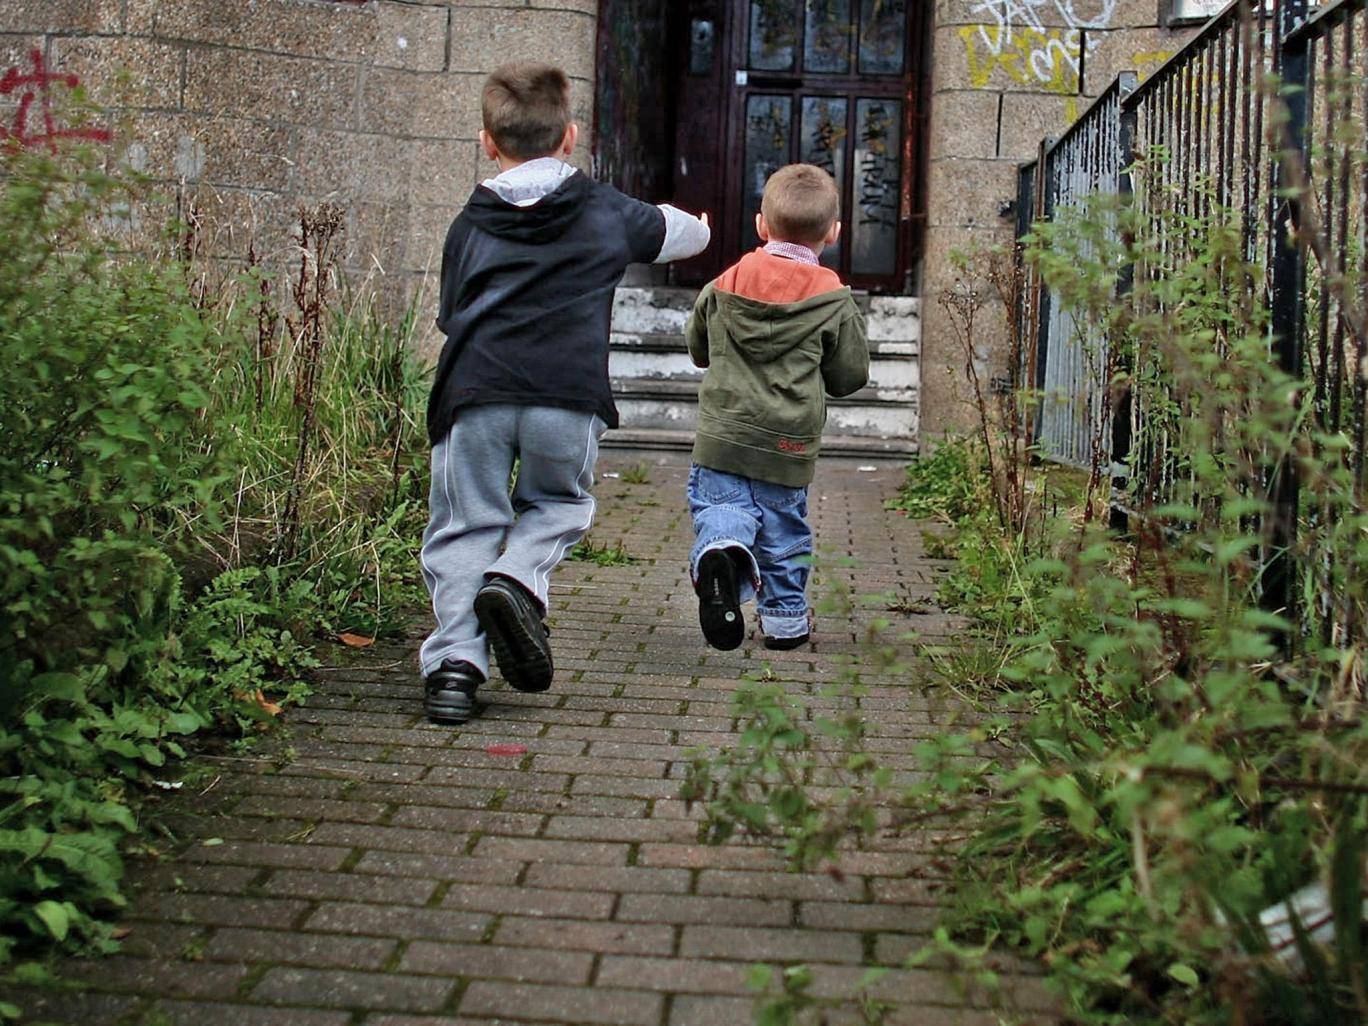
column 777, row 337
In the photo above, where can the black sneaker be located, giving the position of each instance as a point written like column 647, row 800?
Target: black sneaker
column 786, row 644
column 511, row 619
column 449, row 692
column 719, row 601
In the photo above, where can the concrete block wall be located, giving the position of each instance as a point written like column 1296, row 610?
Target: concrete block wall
column 253, row 107
column 1005, row 73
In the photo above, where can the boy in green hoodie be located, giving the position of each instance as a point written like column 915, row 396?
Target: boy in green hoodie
column 777, row 333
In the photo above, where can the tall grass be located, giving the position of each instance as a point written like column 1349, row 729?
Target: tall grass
column 197, row 485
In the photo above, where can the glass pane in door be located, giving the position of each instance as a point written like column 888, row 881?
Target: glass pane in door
column 774, row 28
column 827, row 47
column 883, row 36
column 822, row 141
column 873, row 223
column 769, row 121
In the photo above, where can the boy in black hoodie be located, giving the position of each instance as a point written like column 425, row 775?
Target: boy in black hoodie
column 528, row 273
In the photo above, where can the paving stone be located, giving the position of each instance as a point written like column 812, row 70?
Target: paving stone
column 646, row 939
column 397, row 921
column 770, row 944
column 563, row 1004
column 483, row 821
column 610, row 879
column 462, row 868
column 177, row 876
column 683, row 975
column 198, row 1013
column 535, row 850
column 351, row 887
column 310, row 856
column 218, row 910
column 311, row 808
column 306, row 949
column 527, row 965
column 338, row 988
column 779, row 885
column 356, row 835
column 674, row 908
column 85, row 1006
column 529, row 901
column 177, row 977
column 691, row 1010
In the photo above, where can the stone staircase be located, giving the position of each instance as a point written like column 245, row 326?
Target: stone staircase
column 656, row 384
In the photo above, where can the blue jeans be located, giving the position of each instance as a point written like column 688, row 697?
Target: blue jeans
column 769, row 523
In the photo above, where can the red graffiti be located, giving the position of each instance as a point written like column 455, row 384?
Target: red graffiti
column 34, row 87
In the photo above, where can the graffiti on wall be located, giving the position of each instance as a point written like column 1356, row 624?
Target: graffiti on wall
column 35, row 124
column 1039, row 43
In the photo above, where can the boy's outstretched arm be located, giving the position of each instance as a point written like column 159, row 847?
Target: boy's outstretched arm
column 845, row 363
column 685, row 235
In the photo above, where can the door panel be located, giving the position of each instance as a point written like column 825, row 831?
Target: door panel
column 823, row 143
column 769, row 124
column 826, row 49
column 773, row 35
column 873, row 218
column 883, row 37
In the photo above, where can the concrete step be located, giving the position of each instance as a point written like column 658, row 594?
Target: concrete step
column 646, row 311
column 665, row 342
column 673, row 406
column 687, row 392
column 853, row 446
column 659, row 357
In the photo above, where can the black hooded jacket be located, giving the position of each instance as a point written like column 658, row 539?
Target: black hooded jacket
column 527, row 298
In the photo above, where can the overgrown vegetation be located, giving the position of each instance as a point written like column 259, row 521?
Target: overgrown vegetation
column 195, row 484
column 600, row 554
column 1161, row 792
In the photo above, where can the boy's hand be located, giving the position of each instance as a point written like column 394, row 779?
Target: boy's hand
column 704, row 218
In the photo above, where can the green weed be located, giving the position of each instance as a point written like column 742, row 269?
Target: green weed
column 637, row 474
column 602, row 555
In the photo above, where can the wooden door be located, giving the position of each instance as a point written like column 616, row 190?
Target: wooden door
column 825, row 82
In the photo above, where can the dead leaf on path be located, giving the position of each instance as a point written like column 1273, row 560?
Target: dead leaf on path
column 356, row 640
column 120, row 932
column 259, row 699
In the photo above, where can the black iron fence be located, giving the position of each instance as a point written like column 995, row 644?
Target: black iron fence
column 1261, row 116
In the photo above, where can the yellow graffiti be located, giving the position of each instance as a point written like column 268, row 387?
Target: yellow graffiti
column 1047, row 60
column 1148, row 62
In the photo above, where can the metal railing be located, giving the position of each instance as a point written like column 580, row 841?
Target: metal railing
column 1069, row 358
column 1260, row 118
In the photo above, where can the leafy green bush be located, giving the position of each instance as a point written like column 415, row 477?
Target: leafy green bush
column 185, row 498
column 947, row 483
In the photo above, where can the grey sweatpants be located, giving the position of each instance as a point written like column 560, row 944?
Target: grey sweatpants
column 472, row 531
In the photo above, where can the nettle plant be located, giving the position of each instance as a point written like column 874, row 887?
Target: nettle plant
column 1158, row 763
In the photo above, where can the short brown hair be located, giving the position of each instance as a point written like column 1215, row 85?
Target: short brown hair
column 526, row 108
column 800, row 203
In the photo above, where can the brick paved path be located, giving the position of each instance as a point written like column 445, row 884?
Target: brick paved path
column 384, row 872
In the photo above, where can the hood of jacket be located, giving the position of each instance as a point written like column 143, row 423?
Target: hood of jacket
column 544, row 220
column 769, row 304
